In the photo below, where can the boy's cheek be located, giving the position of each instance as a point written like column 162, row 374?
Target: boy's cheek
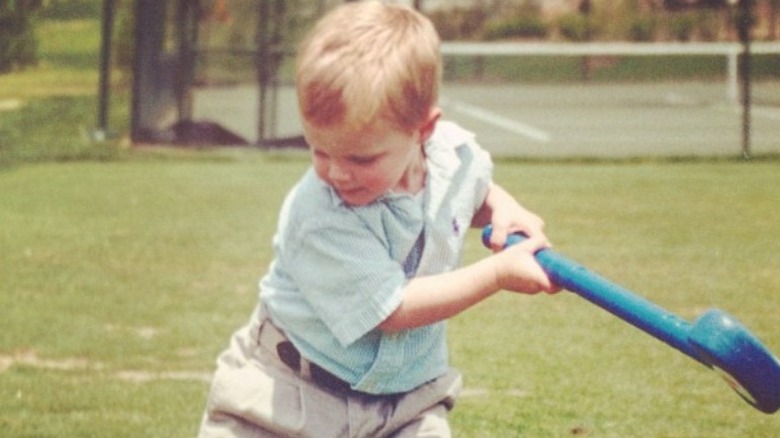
column 374, row 180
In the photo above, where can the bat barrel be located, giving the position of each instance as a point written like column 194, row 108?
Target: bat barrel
column 619, row 301
column 740, row 358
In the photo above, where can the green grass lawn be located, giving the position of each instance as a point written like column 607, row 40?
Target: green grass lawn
column 123, row 280
column 69, row 58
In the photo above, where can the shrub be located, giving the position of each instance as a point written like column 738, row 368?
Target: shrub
column 575, row 27
column 71, row 9
column 682, row 26
column 458, row 22
column 643, row 28
column 18, row 43
column 522, row 26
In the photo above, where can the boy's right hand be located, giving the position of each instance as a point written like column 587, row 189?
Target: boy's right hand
column 518, row 271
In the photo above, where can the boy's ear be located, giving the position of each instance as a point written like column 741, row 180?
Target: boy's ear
column 427, row 128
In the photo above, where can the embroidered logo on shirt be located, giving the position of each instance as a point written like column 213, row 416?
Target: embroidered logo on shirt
column 455, row 226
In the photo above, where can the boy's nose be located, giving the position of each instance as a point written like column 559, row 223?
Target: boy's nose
column 337, row 172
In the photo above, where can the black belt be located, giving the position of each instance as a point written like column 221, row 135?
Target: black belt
column 276, row 341
column 291, row 357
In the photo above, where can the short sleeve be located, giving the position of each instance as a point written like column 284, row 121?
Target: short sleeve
column 345, row 273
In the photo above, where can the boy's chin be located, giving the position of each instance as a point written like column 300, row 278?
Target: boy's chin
column 357, row 199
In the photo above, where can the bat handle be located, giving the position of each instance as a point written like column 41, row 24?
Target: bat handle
column 611, row 297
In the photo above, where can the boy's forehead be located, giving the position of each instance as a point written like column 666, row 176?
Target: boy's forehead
column 368, row 140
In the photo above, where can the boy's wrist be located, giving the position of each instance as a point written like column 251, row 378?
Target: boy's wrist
column 490, row 268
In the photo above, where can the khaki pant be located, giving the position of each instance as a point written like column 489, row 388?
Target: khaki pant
column 254, row 394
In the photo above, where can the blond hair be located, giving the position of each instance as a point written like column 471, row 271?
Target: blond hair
column 365, row 61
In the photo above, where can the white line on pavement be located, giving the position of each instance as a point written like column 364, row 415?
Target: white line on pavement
column 498, row 120
column 767, row 112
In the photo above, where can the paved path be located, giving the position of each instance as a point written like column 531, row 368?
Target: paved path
column 555, row 121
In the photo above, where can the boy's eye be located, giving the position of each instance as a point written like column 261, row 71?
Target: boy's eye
column 364, row 160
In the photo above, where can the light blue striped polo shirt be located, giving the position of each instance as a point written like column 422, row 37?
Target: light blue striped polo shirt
column 339, row 270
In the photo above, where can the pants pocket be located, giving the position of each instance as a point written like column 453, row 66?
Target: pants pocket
column 249, row 393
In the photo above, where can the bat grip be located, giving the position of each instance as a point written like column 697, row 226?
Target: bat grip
column 611, row 297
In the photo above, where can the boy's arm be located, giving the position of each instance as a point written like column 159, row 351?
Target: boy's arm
column 507, row 216
column 435, row 298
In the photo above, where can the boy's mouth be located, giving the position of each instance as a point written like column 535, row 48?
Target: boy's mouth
column 348, row 191
column 353, row 196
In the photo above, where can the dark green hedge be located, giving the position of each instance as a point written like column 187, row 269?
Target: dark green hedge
column 18, row 43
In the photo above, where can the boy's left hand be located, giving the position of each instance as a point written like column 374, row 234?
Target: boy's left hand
column 513, row 219
column 507, row 216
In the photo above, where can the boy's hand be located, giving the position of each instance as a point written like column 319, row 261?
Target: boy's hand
column 517, row 270
column 507, row 216
column 511, row 218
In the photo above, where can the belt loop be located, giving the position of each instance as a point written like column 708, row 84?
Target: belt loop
column 305, row 369
column 258, row 332
column 262, row 318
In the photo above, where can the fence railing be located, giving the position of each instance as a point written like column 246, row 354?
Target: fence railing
column 731, row 51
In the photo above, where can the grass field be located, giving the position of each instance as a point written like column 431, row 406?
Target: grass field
column 122, row 281
column 123, row 271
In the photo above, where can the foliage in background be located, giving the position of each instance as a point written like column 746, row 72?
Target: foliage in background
column 643, row 29
column 575, row 27
column 523, row 25
column 18, row 42
column 124, row 41
column 607, row 20
column 49, row 111
column 459, row 22
column 72, row 9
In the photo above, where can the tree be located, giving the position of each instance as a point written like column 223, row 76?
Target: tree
column 676, row 5
column 18, row 43
column 774, row 6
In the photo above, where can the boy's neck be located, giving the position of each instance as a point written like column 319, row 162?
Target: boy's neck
column 413, row 180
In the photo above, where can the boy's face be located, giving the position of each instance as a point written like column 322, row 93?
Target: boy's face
column 364, row 165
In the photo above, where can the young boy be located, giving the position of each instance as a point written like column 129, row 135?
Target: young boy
column 349, row 337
